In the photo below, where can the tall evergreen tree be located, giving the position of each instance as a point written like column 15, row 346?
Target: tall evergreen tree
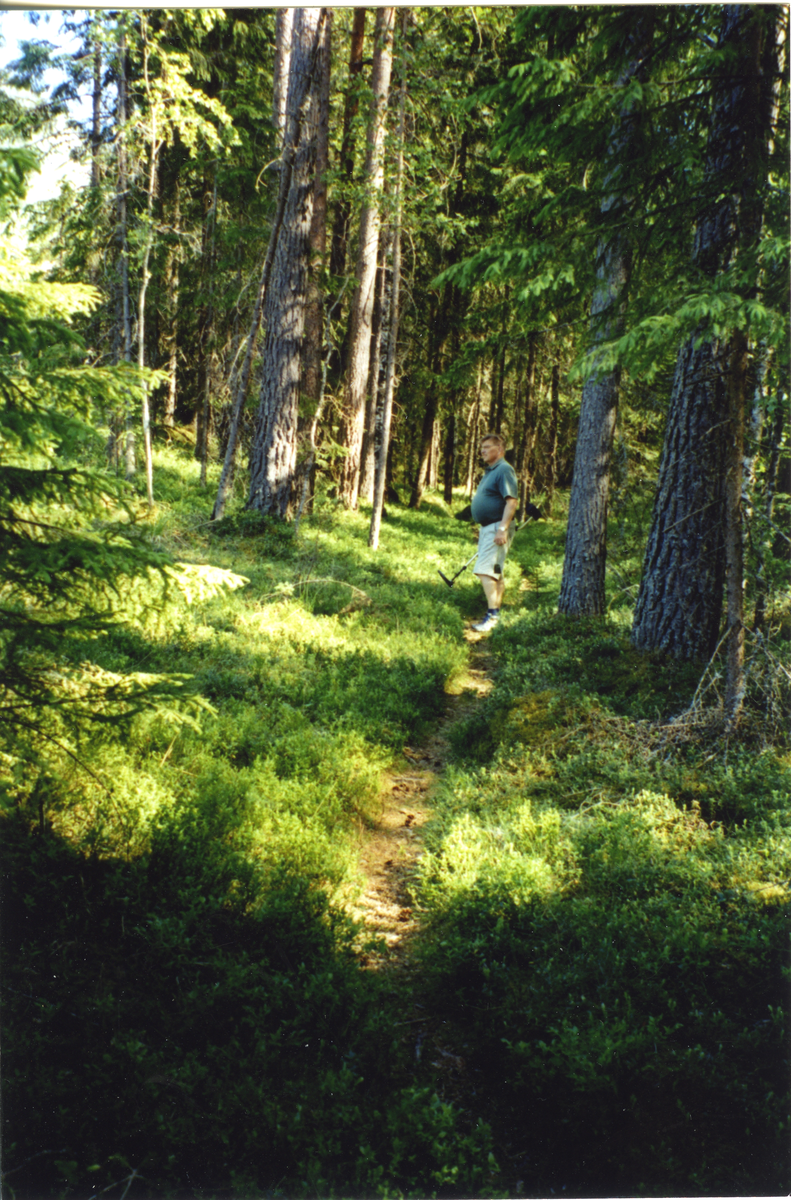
column 679, row 605
column 273, row 456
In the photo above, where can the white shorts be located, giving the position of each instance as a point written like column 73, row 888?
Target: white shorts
column 491, row 558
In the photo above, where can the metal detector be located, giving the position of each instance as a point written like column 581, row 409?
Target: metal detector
column 450, row 582
column 533, row 516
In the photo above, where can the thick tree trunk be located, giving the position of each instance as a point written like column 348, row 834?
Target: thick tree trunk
column 273, row 456
column 363, row 301
column 679, row 604
column 299, row 105
column 584, row 564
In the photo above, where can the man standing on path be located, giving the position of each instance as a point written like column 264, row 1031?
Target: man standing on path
column 494, row 506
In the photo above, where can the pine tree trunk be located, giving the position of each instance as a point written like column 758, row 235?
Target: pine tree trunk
column 206, row 320
column 368, row 453
column 552, row 440
column 450, row 454
column 125, row 315
column 171, row 337
column 679, row 605
column 777, row 430
column 312, row 375
column 384, row 457
column 528, row 429
column 96, row 123
column 584, row 564
column 299, row 105
column 475, row 420
column 370, row 220
column 283, row 28
column 145, row 273
column 340, row 225
column 734, row 541
column 273, row 456
column 314, row 322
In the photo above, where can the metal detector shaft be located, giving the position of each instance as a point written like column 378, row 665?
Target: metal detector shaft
column 450, row 582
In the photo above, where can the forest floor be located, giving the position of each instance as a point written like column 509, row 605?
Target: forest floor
column 390, row 852
column 392, row 844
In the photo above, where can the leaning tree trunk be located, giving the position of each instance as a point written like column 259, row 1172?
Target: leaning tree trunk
column 679, row 604
column 363, row 301
column 582, row 586
column 274, row 451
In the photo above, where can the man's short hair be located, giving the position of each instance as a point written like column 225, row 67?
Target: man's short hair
column 493, row 437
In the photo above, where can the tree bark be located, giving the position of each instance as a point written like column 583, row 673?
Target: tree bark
column 370, row 220
column 679, row 604
column 368, row 453
column 450, row 454
column 96, row 122
column 125, row 321
column 298, row 105
column 528, row 429
column 383, row 456
column 340, row 225
column 734, row 540
column 314, row 322
column 205, row 319
column 475, row 420
column 312, row 374
column 145, row 274
column 552, row 440
column 582, row 588
column 770, row 486
column 283, row 28
column 171, row 338
column 273, row 456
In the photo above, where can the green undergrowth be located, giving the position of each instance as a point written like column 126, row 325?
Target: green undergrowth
column 603, row 905
column 605, row 915
column 184, row 1002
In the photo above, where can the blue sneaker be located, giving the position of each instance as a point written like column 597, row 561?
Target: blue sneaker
column 488, row 623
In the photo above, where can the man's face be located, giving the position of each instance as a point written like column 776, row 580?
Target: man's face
column 491, row 452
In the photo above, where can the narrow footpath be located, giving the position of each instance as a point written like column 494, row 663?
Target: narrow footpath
column 393, row 845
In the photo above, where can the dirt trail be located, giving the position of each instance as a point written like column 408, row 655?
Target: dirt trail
column 392, row 847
